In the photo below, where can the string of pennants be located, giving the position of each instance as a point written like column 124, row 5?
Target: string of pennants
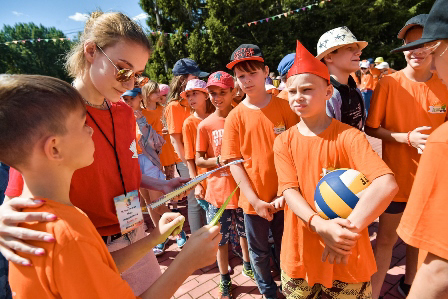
column 272, row 18
column 36, row 40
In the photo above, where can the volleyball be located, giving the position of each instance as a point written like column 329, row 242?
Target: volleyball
column 338, row 192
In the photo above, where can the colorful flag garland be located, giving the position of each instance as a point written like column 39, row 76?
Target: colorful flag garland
column 36, row 40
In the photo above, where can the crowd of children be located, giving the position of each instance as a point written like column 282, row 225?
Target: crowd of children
column 87, row 158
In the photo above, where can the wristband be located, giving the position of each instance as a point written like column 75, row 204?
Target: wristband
column 409, row 138
column 217, row 161
column 308, row 224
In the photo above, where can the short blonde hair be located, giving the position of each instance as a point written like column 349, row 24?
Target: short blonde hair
column 104, row 29
column 148, row 89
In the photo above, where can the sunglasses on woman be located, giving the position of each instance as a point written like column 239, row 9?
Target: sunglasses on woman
column 124, row 75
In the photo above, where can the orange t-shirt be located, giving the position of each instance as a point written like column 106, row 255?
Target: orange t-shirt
column 76, row 265
column 154, row 118
column 300, row 161
column 176, row 112
column 401, row 105
column 355, row 78
column 250, row 133
column 220, row 184
column 376, row 76
column 423, row 224
column 189, row 134
column 367, row 82
column 283, row 94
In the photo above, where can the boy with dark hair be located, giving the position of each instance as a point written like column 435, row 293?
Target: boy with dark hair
column 249, row 133
column 302, row 155
column 340, row 51
column 45, row 137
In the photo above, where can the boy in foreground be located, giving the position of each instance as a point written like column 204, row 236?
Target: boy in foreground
column 302, row 155
column 47, row 151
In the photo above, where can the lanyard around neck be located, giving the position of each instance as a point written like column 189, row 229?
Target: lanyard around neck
column 114, row 145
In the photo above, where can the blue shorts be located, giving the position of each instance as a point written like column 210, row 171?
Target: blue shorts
column 226, row 222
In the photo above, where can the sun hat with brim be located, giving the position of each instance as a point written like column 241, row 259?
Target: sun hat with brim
column 243, row 53
column 132, row 93
column 419, row 20
column 336, row 38
column 382, row 66
column 164, row 89
column 286, row 63
column 186, row 66
column 195, row 84
column 436, row 27
column 221, row 79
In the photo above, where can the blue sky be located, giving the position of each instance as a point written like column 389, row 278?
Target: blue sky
column 68, row 16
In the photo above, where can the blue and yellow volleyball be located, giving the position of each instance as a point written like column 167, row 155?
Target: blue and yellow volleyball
column 338, row 192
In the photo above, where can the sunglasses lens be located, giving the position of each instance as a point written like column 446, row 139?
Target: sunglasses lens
column 124, row 75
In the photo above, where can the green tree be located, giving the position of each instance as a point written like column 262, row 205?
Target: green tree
column 215, row 28
column 44, row 57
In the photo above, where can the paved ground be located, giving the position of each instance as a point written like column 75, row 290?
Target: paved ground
column 204, row 283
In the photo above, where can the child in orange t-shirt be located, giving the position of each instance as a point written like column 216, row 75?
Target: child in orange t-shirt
column 406, row 107
column 302, row 155
column 249, row 133
column 367, row 84
column 220, row 88
column 196, row 95
column 74, row 262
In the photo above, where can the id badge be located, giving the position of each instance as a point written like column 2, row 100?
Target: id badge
column 129, row 212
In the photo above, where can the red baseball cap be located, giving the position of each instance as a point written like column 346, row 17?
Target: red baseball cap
column 245, row 52
column 220, row 79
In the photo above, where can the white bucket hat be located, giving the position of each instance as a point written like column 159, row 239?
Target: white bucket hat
column 335, row 39
column 382, row 66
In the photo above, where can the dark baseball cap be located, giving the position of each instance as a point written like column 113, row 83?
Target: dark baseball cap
column 243, row 53
column 186, row 66
column 419, row 20
column 436, row 27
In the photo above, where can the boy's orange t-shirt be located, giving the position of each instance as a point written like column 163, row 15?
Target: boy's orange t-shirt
column 154, row 118
column 376, row 76
column 189, row 134
column 249, row 134
column 176, row 112
column 76, row 265
column 423, row 224
column 300, row 162
column 283, row 94
column 221, row 183
column 366, row 82
column 401, row 105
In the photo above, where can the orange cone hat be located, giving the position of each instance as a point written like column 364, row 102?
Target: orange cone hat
column 305, row 62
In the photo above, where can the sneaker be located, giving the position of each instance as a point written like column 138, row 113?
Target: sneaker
column 225, row 290
column 160, row 248
column 181, row 239
column 248, row 273
column 403, row 288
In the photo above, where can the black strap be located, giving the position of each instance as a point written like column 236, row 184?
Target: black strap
column 114, row 145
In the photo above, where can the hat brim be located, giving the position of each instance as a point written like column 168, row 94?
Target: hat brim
column 414, row 45
column 201, row 74
column 361, row 44
column 230, row 65
column 183, row 94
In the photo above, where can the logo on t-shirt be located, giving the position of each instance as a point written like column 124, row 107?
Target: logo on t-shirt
column 441, row 108
column 133, row 148
column 280, row 128
column 217, row 136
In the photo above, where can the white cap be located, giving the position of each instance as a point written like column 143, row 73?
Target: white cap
column 382, row 66
column 364, row 64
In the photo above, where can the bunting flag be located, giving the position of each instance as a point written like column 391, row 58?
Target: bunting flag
column 283, row 15
column 36, row 40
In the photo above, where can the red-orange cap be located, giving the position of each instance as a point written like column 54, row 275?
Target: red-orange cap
column 305, row 62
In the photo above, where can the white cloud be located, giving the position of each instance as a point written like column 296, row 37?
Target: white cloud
column 79, row 17
column 18, row 14
column 141, row 16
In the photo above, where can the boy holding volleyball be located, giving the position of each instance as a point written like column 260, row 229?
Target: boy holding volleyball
column 302, row 155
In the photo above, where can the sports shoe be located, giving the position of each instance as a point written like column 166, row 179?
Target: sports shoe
column 248, row 273
column 181, row 239
column 160, row 248
column 225, row 290
column 403, row 288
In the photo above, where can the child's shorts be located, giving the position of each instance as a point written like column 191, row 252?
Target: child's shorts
column 226, row 222
column 149, row 169
column 297, row 288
